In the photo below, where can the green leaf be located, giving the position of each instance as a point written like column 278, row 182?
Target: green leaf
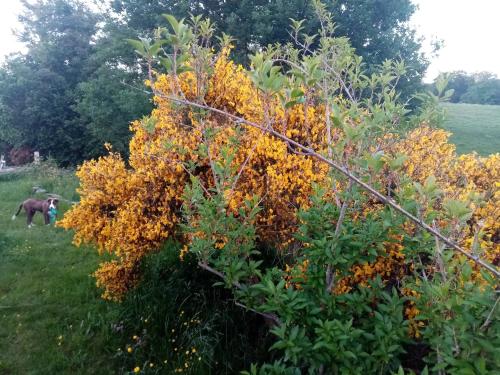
column 456, row 209
column 173, row 22
column 166, row 62
column 153, row 51
column 296, row 93
column 183, row 69
column 397, row 162
column 138, row 45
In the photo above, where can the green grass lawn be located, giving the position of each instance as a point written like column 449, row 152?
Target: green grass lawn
column 475, row 127
column 52, row 320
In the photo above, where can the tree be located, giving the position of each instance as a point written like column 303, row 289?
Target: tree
column 114, row 94
column 377, row 29
column 460, row 82
column 38, row 89
column 107, row 107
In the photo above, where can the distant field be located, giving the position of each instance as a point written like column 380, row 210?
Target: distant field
column 475, row 127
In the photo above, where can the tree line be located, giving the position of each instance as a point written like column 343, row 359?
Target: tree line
column 79, row 85
column 475, row 88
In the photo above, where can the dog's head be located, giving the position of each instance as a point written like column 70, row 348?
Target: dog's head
column 52, row 203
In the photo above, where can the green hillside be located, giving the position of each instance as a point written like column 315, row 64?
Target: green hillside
column 475, row 127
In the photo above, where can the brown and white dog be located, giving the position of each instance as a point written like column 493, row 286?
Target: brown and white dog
column 31, row 206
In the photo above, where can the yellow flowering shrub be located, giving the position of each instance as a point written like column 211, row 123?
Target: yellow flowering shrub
column 328, row 266
column 130, row 211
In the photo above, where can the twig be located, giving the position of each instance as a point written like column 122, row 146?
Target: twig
column 488, row 320
column 424, row 275
column 343, row 210
column 330, row 275
column 439, row 257
column 206, row 267
column 269, row 316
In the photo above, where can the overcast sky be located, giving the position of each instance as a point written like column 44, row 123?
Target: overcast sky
column 470, row 30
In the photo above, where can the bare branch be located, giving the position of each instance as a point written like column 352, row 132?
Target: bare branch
column 274, row 318
column 487, row 322
column 206, row 267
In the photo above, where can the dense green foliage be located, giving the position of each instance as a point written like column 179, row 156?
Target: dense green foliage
column 113, row 95
column 65, row 96
column 474, row 127
column 478, row 88
column 364, row 330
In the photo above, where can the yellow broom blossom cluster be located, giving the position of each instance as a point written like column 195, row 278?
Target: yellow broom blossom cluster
column 469, row 178
column 460, row 178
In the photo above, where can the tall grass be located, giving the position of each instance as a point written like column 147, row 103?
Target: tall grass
column 177, row 320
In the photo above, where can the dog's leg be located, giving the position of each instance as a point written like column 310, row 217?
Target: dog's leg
column 29, row 217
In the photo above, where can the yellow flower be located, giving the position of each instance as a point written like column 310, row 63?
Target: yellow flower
column 137, row 369
column 129, row 349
